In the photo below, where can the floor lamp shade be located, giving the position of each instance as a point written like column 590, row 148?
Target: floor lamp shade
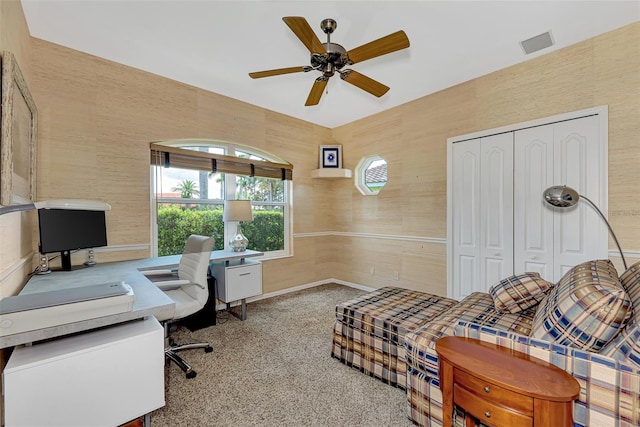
column 562, row 196
column 238, row 210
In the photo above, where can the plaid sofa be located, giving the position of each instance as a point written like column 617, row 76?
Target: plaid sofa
column 609, row 379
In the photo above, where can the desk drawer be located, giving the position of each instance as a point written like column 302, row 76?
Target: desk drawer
column 488, row 412
column 493, row 393
column 236, row 282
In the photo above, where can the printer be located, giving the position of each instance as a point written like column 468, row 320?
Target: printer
column 39, row 310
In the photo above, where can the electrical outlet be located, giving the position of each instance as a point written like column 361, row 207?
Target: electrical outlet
column 396, row 275
column 372, row 271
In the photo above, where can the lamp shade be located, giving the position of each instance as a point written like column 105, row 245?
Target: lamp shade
column 561, row 196
column 237, row 210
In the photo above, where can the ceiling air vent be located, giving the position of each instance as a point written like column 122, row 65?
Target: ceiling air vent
column 539, row 42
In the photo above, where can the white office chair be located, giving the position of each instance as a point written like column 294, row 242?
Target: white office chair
column 187, row 287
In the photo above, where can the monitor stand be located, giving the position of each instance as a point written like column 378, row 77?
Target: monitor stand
column 65, row 263
column 65, row 260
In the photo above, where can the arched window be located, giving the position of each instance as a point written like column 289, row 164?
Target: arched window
column 188, row 201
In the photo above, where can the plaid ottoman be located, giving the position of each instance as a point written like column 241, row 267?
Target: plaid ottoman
column 369, row 331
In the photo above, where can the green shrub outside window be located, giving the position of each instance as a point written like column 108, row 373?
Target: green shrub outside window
column 177, row 222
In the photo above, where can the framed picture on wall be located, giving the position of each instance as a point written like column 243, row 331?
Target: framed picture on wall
column 330, row 156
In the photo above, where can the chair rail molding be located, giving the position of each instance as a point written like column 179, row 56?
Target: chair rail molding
column 425, row 239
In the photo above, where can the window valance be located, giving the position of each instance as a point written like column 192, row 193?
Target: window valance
column 166, row 156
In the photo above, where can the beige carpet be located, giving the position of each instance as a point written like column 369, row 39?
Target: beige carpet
column 276, row 369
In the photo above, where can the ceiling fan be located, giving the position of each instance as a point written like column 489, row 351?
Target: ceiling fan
column 330, row 58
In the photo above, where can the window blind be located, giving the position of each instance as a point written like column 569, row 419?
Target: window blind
column 162, row 155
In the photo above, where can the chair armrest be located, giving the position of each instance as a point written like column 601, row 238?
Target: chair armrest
column 166, row 285
column 609, row 390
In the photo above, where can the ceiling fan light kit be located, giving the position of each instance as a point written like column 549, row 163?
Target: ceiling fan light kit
column 330, row 58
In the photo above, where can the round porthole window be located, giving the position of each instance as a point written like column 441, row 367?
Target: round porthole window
column 371, row 175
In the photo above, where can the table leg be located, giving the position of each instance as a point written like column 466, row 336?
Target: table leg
column 446, row 386
column 243, row 310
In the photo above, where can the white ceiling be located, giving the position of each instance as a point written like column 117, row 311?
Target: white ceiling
column 215, row 44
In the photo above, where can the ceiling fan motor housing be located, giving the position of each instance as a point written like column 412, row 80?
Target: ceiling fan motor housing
column 335, row 59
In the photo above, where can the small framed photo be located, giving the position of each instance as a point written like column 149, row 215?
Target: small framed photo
column 331, row 156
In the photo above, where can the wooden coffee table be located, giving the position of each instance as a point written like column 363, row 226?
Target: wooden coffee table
column 503, row 387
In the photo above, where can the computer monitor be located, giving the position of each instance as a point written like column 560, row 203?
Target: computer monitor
column 67, row 230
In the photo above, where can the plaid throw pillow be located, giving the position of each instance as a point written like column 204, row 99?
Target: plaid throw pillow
column 626, row 346
column 518, row 293
column 586, row 309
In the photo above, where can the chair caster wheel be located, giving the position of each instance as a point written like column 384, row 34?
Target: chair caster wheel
column 191, row 374
column 208, row 349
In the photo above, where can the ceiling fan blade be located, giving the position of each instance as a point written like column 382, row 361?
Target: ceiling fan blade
column 363, row 82
column 303, row 31
column 316, row 91
column 278, row 71
column 379, row 47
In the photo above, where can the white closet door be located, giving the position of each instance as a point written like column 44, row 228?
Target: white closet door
column 579, row 232
column 497, row 209
column 466, row 217
column 533, row 222
column 551, row 240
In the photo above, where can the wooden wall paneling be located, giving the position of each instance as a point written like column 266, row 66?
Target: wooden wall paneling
column 296, row 142
column 135, row 108
column 283, row 273
column 378, row 134
column 365, row 253
column 16, row 229
column 341, row 253
column 617, row 83
column 547, row 85
column 427, row 123
column 14, row 35
column 422, row 267
column 227, row 119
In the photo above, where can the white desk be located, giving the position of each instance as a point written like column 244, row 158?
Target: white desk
column 112, row 374
column 149, row 299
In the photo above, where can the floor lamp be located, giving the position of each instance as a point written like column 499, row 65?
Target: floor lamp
column 562, row 196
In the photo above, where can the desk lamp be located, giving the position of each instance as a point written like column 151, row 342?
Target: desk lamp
column 562, row 196
column 238, row 210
